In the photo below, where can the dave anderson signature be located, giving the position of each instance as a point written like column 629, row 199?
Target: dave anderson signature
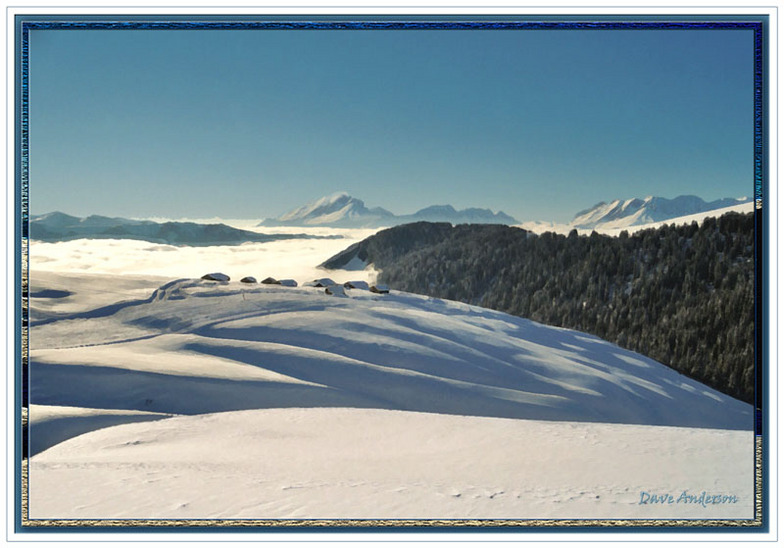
column 703, row 498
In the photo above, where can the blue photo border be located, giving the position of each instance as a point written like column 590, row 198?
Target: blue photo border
column 756, row 23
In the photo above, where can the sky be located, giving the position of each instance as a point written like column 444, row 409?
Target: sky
column 252, row 123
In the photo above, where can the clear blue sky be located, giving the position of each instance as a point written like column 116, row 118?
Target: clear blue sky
column 252, row 123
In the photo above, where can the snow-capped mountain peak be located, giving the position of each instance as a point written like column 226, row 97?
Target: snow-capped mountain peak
column 341, row 210
column 337, row 209
column 636, row 211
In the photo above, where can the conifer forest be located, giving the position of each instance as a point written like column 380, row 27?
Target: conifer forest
column 682, row 295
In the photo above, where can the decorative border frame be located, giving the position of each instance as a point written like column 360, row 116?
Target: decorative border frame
column 758, row 24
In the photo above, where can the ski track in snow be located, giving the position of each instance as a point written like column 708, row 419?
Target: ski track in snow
column 270, row 401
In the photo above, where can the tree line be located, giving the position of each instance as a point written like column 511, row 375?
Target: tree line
column 682, row 295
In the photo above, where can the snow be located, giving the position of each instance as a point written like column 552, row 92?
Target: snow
column 345, row 463
column 357, row 284
column 68, row 292
column 320, row 282
column 355, row 264
column 336, row 290
column 54, row 424
column 339, row 209
column 632, row 223
column 633, row 212
column 339, row 199
column 614, row 229
column 397, row 351
column 285, row 402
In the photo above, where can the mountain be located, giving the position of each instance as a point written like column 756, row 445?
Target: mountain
column 343, row 211
column 339, row 210
column 633, row 212
column 57, row 227
column 275, row 402
column 448, row 214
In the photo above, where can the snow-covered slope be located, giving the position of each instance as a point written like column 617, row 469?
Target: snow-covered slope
column 270, row 402
column 348, row 463
column 633, row 212
column 342, row 210
column 299, row 347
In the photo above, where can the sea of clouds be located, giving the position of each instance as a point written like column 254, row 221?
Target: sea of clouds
column 295, row 258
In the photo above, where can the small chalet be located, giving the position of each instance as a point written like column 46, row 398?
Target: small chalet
column 216, row 277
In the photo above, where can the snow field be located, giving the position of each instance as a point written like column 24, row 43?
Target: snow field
column 348, row 463
column 277, row 402
column 396, row 351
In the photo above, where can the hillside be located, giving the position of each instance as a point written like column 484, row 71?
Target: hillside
column 683, row 295
column 229, row 401
column 298, row 347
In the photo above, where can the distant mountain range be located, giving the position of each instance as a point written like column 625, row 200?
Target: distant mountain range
column 57, row 227
column 343, row 211
column 627, row 213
